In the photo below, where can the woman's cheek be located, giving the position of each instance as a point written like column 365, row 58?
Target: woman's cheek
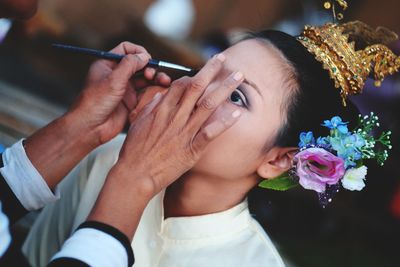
column 234, row 152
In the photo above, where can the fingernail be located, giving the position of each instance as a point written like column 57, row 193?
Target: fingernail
column 156, row 95
column 152, row 71
column 238, row 76
column 221, row 57
column 236, row 114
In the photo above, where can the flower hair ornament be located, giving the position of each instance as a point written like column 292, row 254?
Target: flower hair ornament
column 326, row 163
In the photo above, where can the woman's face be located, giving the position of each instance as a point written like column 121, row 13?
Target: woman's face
column 240, row 150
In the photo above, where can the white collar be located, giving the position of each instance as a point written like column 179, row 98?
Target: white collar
column 203, row 226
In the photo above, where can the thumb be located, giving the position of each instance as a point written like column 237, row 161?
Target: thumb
column 121, row 75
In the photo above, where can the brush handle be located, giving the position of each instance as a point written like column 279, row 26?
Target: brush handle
column 117, row 57
column 99, row 53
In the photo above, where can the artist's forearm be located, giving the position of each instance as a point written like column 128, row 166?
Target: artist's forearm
column 121, row 202
column 55, row 149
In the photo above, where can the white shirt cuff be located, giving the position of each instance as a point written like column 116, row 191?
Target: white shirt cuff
column 95, row 248
column 5, row 237
column 24, row 180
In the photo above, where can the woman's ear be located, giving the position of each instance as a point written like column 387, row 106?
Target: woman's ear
column 277, row 161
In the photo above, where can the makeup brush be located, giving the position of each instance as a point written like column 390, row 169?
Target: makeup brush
column 117, row 57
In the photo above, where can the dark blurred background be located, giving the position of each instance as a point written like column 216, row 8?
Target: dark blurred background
column 38, row 83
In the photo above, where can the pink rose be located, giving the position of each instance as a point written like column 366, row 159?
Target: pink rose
column 316, row 168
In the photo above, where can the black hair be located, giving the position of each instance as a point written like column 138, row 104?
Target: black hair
column 314, row 97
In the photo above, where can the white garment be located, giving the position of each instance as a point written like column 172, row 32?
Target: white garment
column 95, row 248
column 5, row 236
column 33, row 192
column 229, row 238
column 24, row 180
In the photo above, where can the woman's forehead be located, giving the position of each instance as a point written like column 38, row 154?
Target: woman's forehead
column 254, row 49
column 260, row 63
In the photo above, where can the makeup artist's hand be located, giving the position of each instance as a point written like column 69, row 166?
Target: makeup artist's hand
column 110, row 93
column 166, row 140
column 97, row 116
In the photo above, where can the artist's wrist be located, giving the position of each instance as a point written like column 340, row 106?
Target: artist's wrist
column 80, row 131
column 134, row 178
column 56, row 148
column 121, row 201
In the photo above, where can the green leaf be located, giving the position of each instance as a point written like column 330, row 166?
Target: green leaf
column 359, row 163
column 281, row 183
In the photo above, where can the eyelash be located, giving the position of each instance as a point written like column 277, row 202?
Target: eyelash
column 238, row 93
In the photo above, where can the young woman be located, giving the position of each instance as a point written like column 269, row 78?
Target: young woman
column 202, row 219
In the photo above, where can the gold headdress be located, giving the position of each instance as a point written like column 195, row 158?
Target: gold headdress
column 334, row 45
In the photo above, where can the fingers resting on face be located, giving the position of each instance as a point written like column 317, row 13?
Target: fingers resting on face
column 170, row 129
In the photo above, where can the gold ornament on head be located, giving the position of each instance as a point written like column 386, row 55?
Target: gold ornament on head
column 331, row 5
column 334, row 45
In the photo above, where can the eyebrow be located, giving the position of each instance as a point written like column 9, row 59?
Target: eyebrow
column 252, row 84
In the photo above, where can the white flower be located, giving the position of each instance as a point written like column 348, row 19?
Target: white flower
column 353, row 179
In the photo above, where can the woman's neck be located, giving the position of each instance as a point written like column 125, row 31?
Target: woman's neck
column 194, row 194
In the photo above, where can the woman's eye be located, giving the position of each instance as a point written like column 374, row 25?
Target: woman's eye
column 238, row 98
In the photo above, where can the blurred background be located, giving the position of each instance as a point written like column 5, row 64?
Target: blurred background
column 38, row 83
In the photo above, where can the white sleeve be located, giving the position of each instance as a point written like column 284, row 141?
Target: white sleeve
column 54, row 224
column 94, row 248
column 58, row 220
column 24, row 180
column 5, row 237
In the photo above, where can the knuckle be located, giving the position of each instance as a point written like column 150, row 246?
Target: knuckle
column 131, row 58
column 137, row 60
column 196, row 85
column 215, row 64
column 180, row 83
column 126, row 43
column 119, row 46
column 139, row 47
column 208, row 104
column 127, row 61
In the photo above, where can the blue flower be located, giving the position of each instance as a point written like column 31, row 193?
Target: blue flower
column 348, row 148
column 355, row 140
column 306, row 139
column 322, row 141
column 336, row 123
